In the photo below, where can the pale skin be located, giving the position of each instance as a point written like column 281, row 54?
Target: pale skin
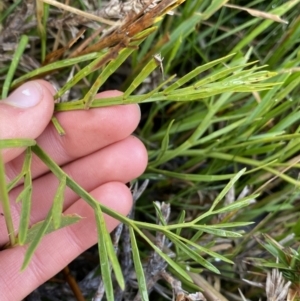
column 98, row 151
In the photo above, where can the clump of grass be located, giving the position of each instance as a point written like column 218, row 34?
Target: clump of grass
column 220, row 108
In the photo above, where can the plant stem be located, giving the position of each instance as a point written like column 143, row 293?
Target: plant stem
column 5, row 204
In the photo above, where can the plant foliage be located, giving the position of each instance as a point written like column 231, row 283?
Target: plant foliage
column 220, row 85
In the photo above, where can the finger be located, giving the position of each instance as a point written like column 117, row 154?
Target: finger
column 25, row 114
column 59, row 248
column 121, row 162
column 86, row 132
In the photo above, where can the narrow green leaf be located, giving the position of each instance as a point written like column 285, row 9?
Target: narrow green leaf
column 26, row 199
column 182, row 31
column 277, row 253
column 232, row 225
column 165, row 142
column 213, row 7
column 66, row 220
column 36, row 241
column 287, row 122
column 14, row 65
column 57, row 207
column 112, row 256
column 54, row 66
column 25, row 170
column 172, row 54
column 275, row 249
column 14, row 182
column 186, row 78
column 80, row 75
column 159, row 213
column 58, row 126
column 145, row 97
column 166, row 257
column 196, row 236
column 194, row 255
column 223, row 225
column 258, row 29
column 103, row 254
column 114, row 261
column 180, row 221
column 25, row 216
column 267, row 102
column 23, row 194
column 152, row 65
column 221, row 74
column 4, row 199
column 138, row 267
column 40, row 19
column 9, row 10
column 217, row 232
column 111, row 67
column 191, row 177
column 264, row 263
column 226, row 189
column 236, row 205
column 9, row 143
column 199, row 248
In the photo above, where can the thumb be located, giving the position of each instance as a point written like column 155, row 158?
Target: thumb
column 25, row 113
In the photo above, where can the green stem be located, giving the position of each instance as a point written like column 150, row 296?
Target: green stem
column 4, row 199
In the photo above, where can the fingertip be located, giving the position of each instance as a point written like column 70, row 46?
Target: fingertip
column 137, row 154
column 25, row 113
column 46, row 85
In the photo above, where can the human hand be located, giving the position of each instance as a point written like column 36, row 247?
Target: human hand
column 98, row 152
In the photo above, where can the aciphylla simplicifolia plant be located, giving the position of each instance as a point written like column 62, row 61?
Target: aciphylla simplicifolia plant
column 221, row 130
column 285, row 283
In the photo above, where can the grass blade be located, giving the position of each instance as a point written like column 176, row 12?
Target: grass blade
column 226, row 189
column 152, row 65
column 213, row 7
column 103, row 254
column 14, row 64
column 138, row 266
column 54, row 66
column 165, row 141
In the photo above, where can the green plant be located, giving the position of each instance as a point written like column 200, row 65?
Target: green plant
column 204, row 126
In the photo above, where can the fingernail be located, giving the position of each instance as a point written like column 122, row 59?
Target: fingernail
column 26, row 96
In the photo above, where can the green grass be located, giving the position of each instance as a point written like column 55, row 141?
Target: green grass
column 212, row 132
